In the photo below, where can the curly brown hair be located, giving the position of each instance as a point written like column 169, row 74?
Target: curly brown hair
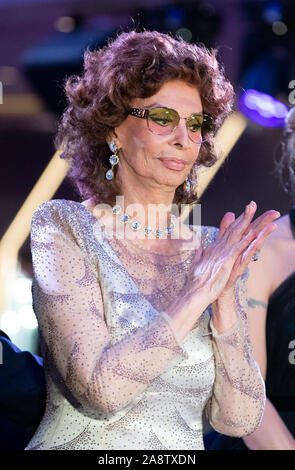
column 285, row 164
column 133, row 65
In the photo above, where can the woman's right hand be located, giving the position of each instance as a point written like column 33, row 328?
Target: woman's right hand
column 212, row 267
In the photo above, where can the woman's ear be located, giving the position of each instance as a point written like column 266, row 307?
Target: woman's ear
column 112, row 137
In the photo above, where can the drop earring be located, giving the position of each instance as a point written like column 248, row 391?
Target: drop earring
column 186, row 185
column 114, row 159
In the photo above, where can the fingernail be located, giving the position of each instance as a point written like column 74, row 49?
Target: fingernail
column 252, row 204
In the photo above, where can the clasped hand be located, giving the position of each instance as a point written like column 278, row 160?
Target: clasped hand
column 217, row 267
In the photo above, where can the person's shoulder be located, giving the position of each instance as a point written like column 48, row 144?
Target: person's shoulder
column 56, row 215
column 266, row 272
column 56, row 210
column 280, row 239
column 55, row 205
column 283, row 230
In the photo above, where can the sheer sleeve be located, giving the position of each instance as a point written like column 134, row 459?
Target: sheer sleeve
column 68, row 302
column 237, row 402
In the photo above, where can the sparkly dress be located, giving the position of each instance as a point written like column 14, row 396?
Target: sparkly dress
column 118, row 375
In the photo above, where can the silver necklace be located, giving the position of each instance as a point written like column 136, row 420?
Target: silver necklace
column 135, row 225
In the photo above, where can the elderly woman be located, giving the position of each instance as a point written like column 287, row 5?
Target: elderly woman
column 143, row 326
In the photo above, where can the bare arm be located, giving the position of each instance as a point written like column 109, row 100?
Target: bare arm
column 272, row 434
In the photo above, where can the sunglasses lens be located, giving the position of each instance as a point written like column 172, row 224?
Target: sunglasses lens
column 198, row 124
column 194, row 125
column 162, row 121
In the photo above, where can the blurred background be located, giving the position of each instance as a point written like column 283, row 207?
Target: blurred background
column 42, row 41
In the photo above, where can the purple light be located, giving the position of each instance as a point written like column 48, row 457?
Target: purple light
column 263, row 109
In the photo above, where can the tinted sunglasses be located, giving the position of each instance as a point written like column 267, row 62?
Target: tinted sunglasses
column 163, row 121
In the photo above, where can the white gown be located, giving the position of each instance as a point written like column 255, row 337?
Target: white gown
column 118, row 376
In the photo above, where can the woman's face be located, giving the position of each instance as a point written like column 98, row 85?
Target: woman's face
column 140, row 150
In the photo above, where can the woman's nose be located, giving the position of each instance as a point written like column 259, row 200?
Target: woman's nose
column 180, row 134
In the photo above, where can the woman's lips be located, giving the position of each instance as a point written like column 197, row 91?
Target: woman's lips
column 173, row 164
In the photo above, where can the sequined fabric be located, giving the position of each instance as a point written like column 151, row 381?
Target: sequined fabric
column 118, row 376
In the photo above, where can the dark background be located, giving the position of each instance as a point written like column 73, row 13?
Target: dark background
column 35, row 56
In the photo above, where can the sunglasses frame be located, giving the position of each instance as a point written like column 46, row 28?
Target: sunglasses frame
column 143, row 113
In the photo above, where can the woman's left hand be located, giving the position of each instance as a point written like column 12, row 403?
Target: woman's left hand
column 262, row 226
column 223, row 309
